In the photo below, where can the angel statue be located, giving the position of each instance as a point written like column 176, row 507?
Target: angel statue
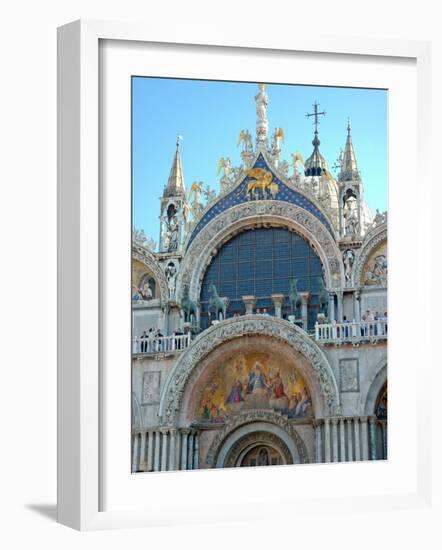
column 278, row 135
column 297, row 157
column 209, row 194
column 246, row 138
column 196, row 190
column 226, row 164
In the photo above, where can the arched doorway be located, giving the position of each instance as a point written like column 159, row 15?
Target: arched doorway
column 258, row 448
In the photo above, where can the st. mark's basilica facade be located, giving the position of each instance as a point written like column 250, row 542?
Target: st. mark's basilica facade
column 260, row 324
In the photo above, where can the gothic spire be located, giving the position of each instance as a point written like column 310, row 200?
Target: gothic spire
column 262, row 123
column 175, row 184
column 349, row 166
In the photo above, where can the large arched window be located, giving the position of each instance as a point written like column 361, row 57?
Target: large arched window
column 262, row 262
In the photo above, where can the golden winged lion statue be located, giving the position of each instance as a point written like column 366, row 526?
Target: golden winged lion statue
column 262, row 179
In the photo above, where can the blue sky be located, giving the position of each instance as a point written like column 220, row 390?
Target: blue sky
column 210, row 114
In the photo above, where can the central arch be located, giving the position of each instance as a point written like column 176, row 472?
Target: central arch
column 266, row 213
column 177, row 396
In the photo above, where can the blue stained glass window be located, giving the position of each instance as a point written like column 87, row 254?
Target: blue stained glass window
column 262, row 262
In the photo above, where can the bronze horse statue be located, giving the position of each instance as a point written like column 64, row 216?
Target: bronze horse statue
column 189, row 308
column 217, row 306
column 294, row 299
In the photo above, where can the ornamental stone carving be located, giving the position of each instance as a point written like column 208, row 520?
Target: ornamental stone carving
column 372, row 240
column 253, row 214
column 149, row 260
column 249, row 325
column 250, row 417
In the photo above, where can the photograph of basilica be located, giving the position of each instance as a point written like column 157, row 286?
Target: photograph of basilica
column 260, row 318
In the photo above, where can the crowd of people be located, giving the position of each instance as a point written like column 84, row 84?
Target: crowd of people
column 152, row 340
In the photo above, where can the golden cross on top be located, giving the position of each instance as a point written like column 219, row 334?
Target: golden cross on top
column 316, row 114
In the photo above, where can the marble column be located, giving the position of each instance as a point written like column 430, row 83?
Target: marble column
column 150, row 447
column 196, row 451
column 318, row 442
column 384, row 440
column 143, row 452
column 372, row 437
column 335, row 452
column 364, row 437
column 190, row 442
column 172, row 450
column 305, row 297
column 350, row 427
column 278, row 300
column 184, row 437
column 357, row 439
column 135, row 453
column 356, row 306
column 331, row 307
column 327, row 440
column 342, row 439
column 340, row 296
column 164, row 451
column 156, row 463
column 249, row 302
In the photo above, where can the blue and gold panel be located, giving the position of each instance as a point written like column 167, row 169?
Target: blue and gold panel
column 277, row 190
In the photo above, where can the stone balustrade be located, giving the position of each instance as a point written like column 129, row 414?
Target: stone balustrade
column 370, row 331
column 161, row 344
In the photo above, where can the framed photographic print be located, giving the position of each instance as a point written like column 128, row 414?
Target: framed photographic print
column 231, row 292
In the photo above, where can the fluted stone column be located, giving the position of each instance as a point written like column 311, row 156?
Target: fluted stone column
column 335, row 452
column 156, row 463
column 135, row 453
column 351, row 425
column 364, row 437
column 372, row 437
column 342, row 439
column 327, row 440
column 249, row 302
column 142, row 466
column 184, row 437
column 357, row 439
column 196, row 451
column 278, row 300
column 305, row 297
column 164, row 453
column 172, row 450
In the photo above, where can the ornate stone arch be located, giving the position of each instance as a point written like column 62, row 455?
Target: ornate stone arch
column 368, row 401
column 149, row 260
column 251, row 422
column 250, row 325
column 268, row 213
column 373, row 239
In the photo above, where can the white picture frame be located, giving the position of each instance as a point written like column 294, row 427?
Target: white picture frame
column 81, row 296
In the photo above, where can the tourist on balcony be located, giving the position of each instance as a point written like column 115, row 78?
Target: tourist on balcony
column 346, row 328
column 265, row 312
column 144, row 337
column 158, row 341
column 178, row 341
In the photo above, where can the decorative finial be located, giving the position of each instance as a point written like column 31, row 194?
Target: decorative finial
column 178, row 139
column 316, row 114
column 348, row 126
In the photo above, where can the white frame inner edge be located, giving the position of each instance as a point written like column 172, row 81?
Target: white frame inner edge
column 86, row 498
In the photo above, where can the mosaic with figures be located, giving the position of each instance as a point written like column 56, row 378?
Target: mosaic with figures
column 254, row 381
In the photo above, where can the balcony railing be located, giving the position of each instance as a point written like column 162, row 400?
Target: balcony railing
column 161, row 344
column 363, row 331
